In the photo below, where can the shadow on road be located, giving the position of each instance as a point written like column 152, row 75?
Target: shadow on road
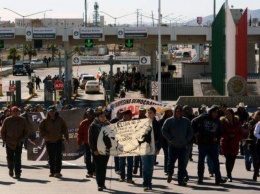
column 6, row 183
column 33, row 181
column 73, row 180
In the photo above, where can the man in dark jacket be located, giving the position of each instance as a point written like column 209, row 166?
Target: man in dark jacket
column 53, row 128
column 207, row 130
column 14, row 132
column 178, row 132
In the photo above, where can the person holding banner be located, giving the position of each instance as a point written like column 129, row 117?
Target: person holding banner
column 14, row 132
column 52, row 129
column 100, row 160
column 122, row 162
column 83, row 141
column 148, row 160
column 178, row 132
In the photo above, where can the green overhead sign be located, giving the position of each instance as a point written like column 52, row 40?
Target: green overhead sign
column 88, row 43
column 129, row 43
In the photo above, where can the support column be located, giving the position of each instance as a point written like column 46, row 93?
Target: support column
column 251, row 58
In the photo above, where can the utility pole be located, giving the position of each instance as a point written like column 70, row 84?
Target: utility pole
column 137, row 16
column 153, row 18
column 214, row 9
column 86, row 15
column 159, row 54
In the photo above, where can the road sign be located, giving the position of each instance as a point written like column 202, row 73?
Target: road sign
column 12, row 88
column 2, row 44
column 129, row 43
column 6, row 33
column 40, row 33
column 155, row 90
column 132, row 33
column 59, row 85
column 145, row 60
column 88, row 43
column 87, row 33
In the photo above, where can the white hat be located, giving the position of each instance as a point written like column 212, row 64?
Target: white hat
column 166, row 108
column 142, row 107
column 242, row 105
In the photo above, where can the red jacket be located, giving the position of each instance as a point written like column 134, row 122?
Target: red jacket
column 83, row 131
column 228, row 144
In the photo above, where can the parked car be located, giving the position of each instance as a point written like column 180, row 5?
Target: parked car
column 92, row 86
column 81, row 75
column 36, row 61
column 22, row 68
column 84, row 80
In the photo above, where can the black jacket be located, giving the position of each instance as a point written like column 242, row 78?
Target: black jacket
column 206, row 129
column 93, row 133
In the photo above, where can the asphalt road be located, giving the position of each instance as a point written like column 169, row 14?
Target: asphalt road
column 35, row 179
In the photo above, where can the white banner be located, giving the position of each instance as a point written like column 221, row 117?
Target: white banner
column 133, row 104
column 129, row 138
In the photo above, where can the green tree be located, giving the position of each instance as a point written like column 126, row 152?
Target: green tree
column 79, row 50
column 29, row 50
column 13, row 55
column 53, row 48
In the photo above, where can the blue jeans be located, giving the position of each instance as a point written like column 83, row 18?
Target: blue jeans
column 213, row 152
column 165, row 151
column 180, row 154
column 116, row 159
column 210, row 164
column 147, row 163
column 247, row 157
column 129, row 167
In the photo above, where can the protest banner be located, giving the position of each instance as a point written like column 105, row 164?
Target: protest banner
column 133, row 104
column 36, row 149
column 129, row 138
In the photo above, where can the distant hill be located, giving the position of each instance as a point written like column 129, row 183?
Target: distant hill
column 208, row 19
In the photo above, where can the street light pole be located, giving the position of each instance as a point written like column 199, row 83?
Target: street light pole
column 214, row 9
column 159, row 54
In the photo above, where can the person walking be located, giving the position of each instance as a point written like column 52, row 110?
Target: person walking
column 14, row 132
column 207, row 131
column 178, row 132
column 38, row 81
column 148, row 160
column 83, row 141
column 257, row 150
column 100, row 160
column 231, row 136
column 127, row 116
column 53, row 129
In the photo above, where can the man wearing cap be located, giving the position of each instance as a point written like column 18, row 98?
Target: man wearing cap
column 53, row 128
column 167, row 113
column 14, row 132
column 178, row 132
column 83, row 141
column 127, row 116
column 137, row 159
column 207, row 131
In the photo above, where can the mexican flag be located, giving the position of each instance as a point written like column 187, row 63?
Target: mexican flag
column 99, row 73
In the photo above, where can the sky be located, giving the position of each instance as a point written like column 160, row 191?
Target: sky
column 183, row 10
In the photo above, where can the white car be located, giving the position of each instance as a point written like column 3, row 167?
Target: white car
column 92, row 86
column 84, row 80
column 36, row 61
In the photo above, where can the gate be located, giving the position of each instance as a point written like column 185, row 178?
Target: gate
column 174, row 87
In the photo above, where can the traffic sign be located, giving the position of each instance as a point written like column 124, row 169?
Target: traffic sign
column 12, row 88
column 88, row 33
column 59, row 85
column 129, row 43
column 155, row 88
column 88, row 43
column 145, row 60
column 7, row 33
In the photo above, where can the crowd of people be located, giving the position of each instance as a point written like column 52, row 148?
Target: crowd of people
column 217, row 131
